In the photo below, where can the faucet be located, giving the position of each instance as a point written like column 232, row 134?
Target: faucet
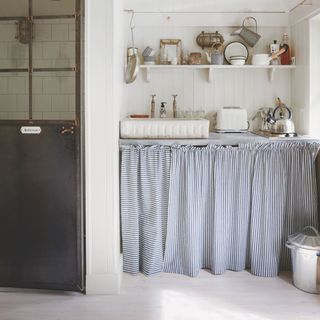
column 174, row 106
column 153, row 106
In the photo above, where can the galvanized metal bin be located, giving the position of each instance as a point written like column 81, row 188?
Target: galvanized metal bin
column 305, row 256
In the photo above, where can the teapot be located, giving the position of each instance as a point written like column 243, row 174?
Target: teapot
column 283, row 124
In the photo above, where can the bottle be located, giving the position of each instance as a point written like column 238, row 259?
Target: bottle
column 163, row 112
column 274, row 47
column 185, row 57
column 153, row 106
column 286, row 57
column 174, row 106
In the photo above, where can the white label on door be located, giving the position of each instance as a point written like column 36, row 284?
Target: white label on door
column 30, row 130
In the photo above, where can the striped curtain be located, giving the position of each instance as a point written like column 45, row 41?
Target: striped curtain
column 284, row 201
column 188, row 208
column 145, row 176
column 209, row 209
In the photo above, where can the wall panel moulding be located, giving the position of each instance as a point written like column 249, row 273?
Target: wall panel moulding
column 174, row 19
column 307, row 10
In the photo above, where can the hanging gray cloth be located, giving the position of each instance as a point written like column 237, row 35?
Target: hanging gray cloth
column 284, row 201
column 145, row 173
column 209, row 209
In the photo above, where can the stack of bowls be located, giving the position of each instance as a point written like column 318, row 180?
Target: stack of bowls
column 149, row 60
column 238, row 60
column 149, row 56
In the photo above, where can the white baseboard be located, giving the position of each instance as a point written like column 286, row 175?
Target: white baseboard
column 105, row 283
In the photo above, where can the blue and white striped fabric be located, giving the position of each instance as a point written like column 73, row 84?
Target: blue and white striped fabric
column 284, row 201
column 145, row 176
column 209, row 209
column 229, row 208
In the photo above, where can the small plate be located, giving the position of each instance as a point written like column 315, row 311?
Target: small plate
column 235, row 48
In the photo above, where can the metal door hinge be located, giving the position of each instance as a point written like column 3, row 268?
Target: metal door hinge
column 69, row 130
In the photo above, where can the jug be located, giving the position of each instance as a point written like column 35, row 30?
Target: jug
column 215, row 57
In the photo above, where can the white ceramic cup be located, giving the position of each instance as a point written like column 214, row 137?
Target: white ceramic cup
column 261, row 59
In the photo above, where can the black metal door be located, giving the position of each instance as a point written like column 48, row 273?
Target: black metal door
column 40, row 215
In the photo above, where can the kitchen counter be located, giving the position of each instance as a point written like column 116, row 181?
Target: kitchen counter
column 219, row 139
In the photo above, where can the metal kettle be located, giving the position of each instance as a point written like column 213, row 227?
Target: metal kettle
column 284, row 123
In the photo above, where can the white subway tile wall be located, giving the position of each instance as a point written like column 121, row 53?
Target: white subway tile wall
column 53, row 92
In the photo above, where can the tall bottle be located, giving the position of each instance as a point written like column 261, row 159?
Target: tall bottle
column 153, row 106
column 286, row 57
column 275, row 47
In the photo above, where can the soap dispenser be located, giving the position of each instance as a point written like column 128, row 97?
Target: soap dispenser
column 163, row 112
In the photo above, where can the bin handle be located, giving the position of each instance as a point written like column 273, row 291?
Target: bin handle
column 290, row 246
column 313, row 229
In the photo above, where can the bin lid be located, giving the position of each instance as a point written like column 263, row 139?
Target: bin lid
column 309, row 238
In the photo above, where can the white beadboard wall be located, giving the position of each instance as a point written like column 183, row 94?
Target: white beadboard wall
column 250, row 89
column 54, row 93
column 301, row 76
column 305, row 81
column 315, row 76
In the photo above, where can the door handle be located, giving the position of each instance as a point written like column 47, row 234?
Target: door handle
column 65, row 130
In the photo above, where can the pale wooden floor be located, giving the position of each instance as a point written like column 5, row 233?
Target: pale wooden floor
column 230, row 296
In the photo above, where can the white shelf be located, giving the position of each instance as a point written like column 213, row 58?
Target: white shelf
column 210, row 68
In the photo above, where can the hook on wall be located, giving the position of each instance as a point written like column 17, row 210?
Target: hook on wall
column 132, row 25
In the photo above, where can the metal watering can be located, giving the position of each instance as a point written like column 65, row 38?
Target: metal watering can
column 249, row 36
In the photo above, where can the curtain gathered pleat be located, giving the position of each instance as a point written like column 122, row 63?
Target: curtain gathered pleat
column 186, row 208
column 145, row 176
column 284, row 201
column 209, row 210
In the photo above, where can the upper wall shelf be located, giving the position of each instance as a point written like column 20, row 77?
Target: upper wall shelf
column 210, row 68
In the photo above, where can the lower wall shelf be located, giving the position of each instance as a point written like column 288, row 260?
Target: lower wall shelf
column 210, row 69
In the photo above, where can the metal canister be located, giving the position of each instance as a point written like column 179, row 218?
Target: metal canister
column 305, row 253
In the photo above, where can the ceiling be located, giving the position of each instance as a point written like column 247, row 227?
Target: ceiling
column 211, row 5
column 56, row 7
column 40, row 7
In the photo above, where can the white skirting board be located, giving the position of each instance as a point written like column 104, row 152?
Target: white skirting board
column 104, row 283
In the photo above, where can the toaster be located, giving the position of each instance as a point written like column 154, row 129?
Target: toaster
column 232, row 119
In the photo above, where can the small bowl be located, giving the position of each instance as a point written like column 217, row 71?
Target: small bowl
column 149, row 58
column 238, row 62
column 238, row 57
